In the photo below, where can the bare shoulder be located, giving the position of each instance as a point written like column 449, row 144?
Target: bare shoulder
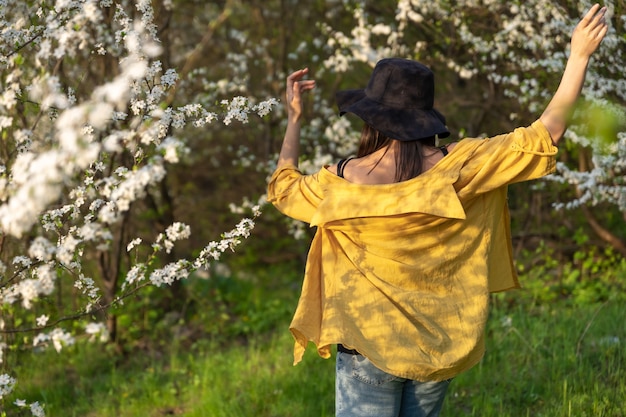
column 332, row 168
column 451, row 146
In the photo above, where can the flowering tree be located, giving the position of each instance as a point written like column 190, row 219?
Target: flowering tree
column 86, row 141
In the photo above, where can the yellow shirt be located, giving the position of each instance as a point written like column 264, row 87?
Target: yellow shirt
column 402, row 272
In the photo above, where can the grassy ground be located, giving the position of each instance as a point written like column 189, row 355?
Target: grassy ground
column 548, row 361
column 555, row 360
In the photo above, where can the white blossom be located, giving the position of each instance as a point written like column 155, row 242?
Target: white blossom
column 98, row 330
column 42, row 320
column 41, row 249
column 132, row 244
column 7, row 383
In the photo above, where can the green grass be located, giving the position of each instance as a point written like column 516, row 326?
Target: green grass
column 548, row 361
column 554, row 360
column 210, row 379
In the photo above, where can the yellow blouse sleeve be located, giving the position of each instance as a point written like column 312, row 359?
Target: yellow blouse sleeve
column 294, row 194
column 525, row 154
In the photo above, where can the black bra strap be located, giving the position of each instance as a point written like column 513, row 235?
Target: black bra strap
column 443, row 150
column 341, row 165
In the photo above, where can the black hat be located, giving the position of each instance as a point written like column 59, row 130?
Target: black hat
column 398, row 101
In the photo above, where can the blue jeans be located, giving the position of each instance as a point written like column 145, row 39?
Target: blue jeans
column 361, row 389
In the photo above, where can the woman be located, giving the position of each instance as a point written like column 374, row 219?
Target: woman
column 411, row 238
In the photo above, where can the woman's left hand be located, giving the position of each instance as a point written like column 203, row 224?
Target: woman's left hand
column 295, row 87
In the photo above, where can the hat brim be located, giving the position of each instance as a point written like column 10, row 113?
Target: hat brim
column 396, row 123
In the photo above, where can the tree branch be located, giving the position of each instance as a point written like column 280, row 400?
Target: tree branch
column 197, row 53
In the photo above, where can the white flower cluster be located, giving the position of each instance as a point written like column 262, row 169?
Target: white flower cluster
column 34, row 283
column 36, row 409
column 58, row 337
column 7, row 383
column 97, row 330
column 174, row 232
column 248, row 205
column 131, row 186
column 239, row 107
column 88, row 287
column 170, row 273
column 604, row 181
column 135, row 275
column 213, row 251
column 343, row 139
column 366, row 43
column 181, row 269
column 172, row 149
column 42, row 320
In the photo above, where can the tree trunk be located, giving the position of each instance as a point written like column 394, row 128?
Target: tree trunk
column 601, row 231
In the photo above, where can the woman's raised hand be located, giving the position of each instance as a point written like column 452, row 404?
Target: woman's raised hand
column 589, row 32
column 585, row 40
column 289, row 151
column 295, row 87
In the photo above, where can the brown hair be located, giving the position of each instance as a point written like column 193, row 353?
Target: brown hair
column 409, row 158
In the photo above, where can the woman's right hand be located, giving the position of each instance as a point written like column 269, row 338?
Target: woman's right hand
column 585, row 40
column 589, row 32
column 295, row 87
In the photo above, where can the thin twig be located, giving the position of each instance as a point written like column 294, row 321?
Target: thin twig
column 78, row 315
column 582, row 336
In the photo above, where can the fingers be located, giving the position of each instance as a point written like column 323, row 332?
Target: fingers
column 297, row 75
column 298, row 87
column 593, row 26
column 295, row 83
column 591, row 13
column 590, row 31
column 599, row 19
column 305, row 85
column 598, row 26
column 595, row 18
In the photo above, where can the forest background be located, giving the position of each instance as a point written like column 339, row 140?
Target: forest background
column 137, row 140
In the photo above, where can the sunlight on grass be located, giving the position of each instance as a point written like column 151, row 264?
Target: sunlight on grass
column 255, row 379
column 541, row 361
